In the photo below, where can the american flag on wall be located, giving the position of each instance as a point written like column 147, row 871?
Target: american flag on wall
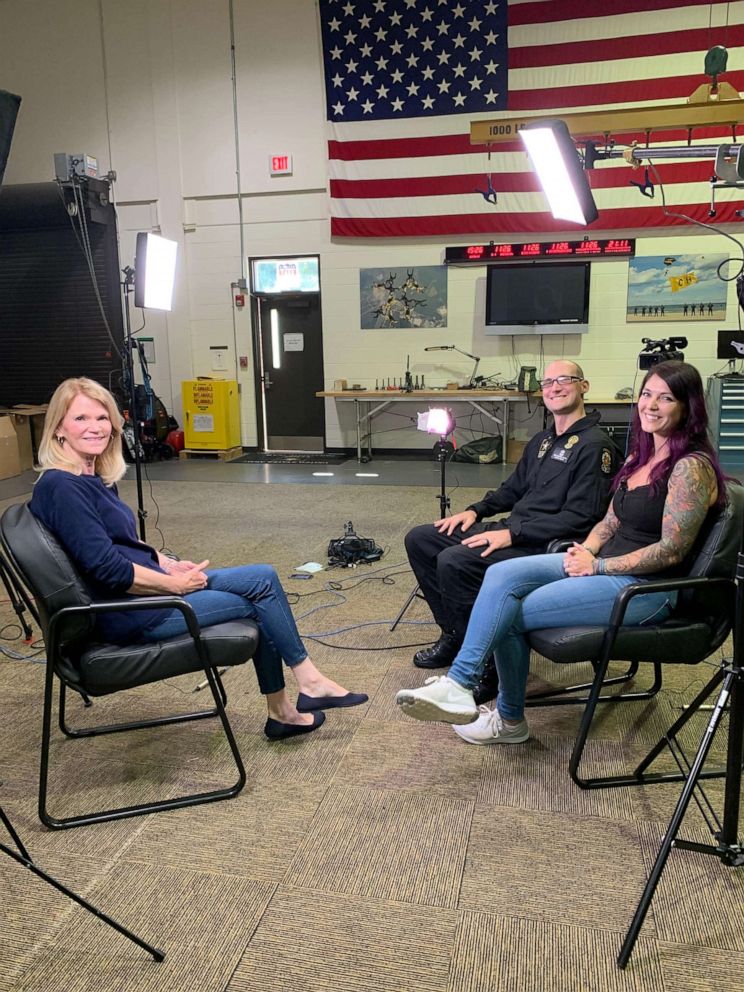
column 405, row 79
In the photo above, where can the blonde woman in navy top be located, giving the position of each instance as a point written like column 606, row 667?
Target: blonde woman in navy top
column 81, row 460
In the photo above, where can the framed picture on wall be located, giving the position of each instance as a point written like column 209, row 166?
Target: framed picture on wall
column 403, row 297
column 676, row 288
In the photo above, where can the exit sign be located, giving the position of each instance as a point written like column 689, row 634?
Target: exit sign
column 280, row 165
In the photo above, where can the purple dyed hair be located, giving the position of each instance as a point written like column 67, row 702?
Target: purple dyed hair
column 690, row 437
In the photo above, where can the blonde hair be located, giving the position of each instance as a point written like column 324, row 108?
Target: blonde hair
column 110, row 465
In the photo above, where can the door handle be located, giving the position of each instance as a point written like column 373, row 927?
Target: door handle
column 267, row 382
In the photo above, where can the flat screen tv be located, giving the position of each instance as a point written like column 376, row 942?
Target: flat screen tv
column 285, row 275
column 538, row 298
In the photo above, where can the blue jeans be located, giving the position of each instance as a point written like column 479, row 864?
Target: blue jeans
column 250, row 592
column 534, row 593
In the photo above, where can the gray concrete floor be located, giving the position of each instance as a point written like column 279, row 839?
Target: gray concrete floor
column 378, row 472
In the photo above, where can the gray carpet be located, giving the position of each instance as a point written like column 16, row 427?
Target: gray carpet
column 378, row 853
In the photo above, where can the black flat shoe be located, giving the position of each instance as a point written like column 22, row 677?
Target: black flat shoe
column 275, row 730
column 314, row 704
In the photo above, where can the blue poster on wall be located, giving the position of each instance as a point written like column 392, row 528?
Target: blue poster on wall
column 403, row 297
column 677, row 288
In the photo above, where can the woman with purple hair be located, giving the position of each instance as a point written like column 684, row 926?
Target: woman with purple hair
column 662, row 496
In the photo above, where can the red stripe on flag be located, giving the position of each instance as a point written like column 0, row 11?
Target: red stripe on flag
column 443, row 144
column 459, row 144
column 619, row 218
column 670, row 43
column 509, row 182
column 550, row 12
column 599, row 94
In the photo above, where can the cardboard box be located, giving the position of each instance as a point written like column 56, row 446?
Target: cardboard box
column 28, row 421
column 10, row 462
column 514, row 450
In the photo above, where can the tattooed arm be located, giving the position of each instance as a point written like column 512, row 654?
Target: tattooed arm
column 580, row 559
column 600, row 534
column 692, row 490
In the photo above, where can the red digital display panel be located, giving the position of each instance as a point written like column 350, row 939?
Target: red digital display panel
column 587, row 248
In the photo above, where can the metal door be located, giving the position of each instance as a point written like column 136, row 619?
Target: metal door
column 290, row 371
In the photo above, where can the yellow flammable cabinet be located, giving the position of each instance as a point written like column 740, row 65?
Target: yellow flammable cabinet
column 211, row 410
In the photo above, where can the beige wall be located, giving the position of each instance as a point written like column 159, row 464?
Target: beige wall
column 146, row 87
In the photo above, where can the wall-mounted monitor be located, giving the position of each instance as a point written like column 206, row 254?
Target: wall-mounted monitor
column 285, row 275
column 730, row 345
column 538, row 298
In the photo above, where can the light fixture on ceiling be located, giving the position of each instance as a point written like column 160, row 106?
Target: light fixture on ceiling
column 560, row 171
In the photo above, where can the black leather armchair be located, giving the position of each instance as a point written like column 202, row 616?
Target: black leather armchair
column 77, row 658
column 698, row 626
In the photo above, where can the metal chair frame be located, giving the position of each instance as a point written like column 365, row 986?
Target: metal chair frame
column 57, row 636
column 218, row 694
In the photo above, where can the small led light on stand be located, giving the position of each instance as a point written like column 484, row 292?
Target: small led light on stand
column 154, row 272
column 437, row 421
column 558, row 166
column 441, row 421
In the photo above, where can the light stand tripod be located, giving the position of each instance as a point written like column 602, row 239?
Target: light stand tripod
column 18, row 598
column 22, row 857
column 127, row 287
column 443, row 448
column 728, row 846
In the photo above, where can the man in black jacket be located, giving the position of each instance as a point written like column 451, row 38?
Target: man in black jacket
column 559, row 489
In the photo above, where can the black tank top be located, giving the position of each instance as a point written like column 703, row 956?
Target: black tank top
column 640, row 513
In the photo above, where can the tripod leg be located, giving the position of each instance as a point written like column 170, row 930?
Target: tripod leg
column 674, row 824
column 18, row 600
column 22, row 857
column 679, row 723
column 407, row 603
column 729, row 834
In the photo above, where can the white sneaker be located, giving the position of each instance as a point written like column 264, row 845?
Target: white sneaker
column 439, row 698
column 490, row 728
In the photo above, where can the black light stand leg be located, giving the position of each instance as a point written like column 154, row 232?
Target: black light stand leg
column 670, row 837
column 18, row 598
column 729, row 849
column 129, row 345
column 22, row 857
column 415, row 592
column 443, row 449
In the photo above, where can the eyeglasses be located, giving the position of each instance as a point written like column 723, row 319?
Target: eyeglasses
column 562, row 380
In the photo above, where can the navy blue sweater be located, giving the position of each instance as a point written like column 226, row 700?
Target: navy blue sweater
column 98, row 532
